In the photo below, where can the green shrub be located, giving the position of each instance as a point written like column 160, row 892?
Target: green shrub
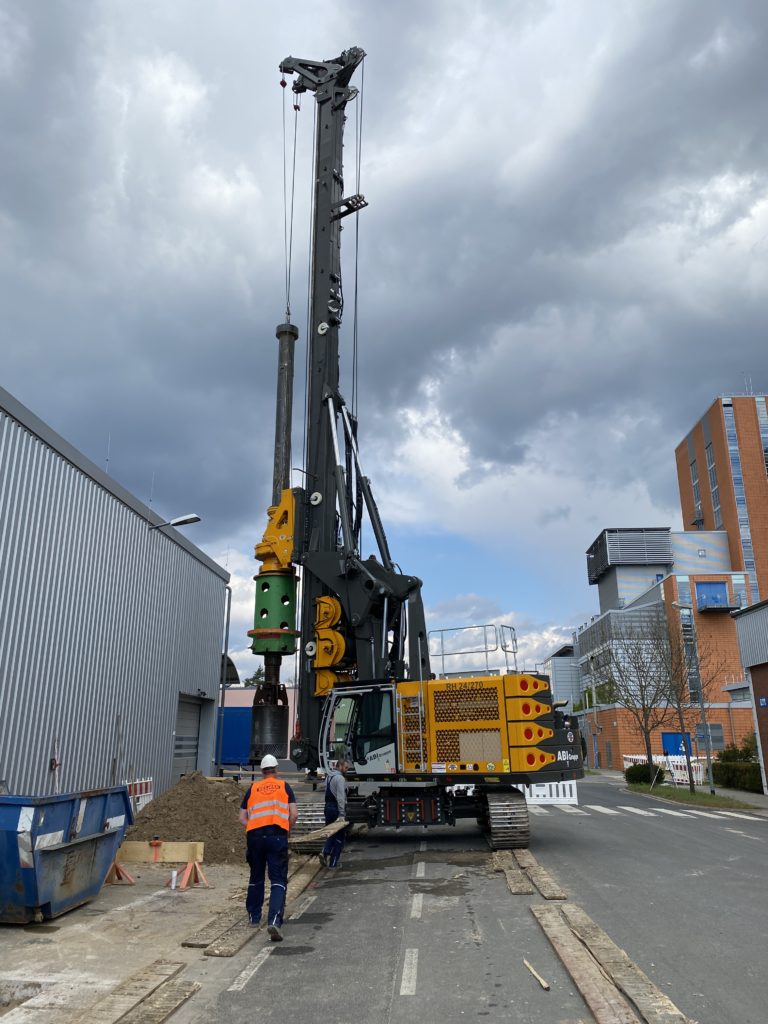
column 738, row 775
column 644, row 773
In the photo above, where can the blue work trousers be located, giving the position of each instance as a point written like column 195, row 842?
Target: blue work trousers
column 267, row 850
column 333, row 844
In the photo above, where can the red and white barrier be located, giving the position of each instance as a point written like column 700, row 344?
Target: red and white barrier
column 674, row 764
column 140, row 792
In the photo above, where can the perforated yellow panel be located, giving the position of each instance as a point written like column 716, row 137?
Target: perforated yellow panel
column 480, row 745
column 447, row 745
column 466, row 705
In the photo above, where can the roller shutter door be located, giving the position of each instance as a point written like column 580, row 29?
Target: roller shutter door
column 187, row 737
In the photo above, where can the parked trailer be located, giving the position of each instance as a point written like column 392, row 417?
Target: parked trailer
column 56, row 851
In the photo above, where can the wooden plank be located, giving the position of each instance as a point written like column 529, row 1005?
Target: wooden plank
column 233, row 940
column 517, row 883
column 122, row 999
column 214, row 929
column 653, row 1006
column 163, row 1002
column 604, row 1000
column 135, row 852
column 541, row 878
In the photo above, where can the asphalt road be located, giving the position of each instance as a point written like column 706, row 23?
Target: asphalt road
column 683, row 893
column 417, row 926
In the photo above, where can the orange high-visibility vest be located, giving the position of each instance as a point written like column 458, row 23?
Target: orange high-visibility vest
column 268, row 804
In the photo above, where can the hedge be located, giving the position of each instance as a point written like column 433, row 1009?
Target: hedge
column 644, row 773
column 738, row 775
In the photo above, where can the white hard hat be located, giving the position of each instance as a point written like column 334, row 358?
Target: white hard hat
column 268, row 761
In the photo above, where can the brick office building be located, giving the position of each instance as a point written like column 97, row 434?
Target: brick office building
column 722, row 472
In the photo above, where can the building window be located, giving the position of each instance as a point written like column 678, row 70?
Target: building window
column 712, row 595
column 741, row 499
column 697, row 516
column 762, row 416
column 713, row 487
column 739, row 585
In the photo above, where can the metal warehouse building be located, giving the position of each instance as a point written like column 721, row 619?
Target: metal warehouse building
column 110, row 632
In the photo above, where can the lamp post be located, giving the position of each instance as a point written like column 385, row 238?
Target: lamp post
column 190, row 517
column 705, row 725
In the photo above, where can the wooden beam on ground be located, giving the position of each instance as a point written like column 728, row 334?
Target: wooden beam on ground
column 541, row 878
column 314, row 841
column 135, row 852
column 653, row 1006
column 163, row 1002
column 517, row 883
column 604, row 1000
column 122, row 999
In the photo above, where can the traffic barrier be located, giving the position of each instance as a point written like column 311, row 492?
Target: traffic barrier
column 674, row 764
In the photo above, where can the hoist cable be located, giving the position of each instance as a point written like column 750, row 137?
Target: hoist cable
column 308, row 332
column 358, row 152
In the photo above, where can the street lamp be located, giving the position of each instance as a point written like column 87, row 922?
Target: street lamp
column 179, row 521
column 704, row 723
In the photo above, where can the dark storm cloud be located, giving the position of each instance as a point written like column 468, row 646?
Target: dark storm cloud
column 521, row 161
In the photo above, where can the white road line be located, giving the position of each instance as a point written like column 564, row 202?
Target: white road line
column 535, row 809
column 304, row 907
column 735, row 814
column 638, row 810
column 668, row 810
column 423, row 847
column 420, row 869
column 704, row 814
column 410, row 968
column 243, row 978
column 746, row 835
column 569, row 809
column 416, row 905
column 602, row 810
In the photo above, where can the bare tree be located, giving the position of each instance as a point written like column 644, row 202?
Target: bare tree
column 630, row 664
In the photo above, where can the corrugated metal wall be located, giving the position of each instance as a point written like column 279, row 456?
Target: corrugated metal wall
column 752, row 631
column 103, row 622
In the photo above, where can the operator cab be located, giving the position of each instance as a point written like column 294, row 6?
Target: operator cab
column 359, row 724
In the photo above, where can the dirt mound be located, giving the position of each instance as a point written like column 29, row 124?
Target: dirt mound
column 196, row 809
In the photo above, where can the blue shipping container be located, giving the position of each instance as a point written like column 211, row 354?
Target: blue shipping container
column 56, row 851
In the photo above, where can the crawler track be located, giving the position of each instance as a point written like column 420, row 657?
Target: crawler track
column 505, row 823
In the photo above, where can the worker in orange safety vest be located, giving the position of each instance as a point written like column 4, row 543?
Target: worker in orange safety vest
column 268, row 812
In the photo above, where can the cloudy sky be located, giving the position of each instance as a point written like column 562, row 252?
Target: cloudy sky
column 563, row 262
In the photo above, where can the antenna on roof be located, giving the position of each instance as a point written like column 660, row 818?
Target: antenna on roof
column 748, row 384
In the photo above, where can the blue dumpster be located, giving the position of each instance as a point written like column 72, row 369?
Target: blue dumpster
column 55, row 851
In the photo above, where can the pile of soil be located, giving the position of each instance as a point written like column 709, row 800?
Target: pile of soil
column 196, row 809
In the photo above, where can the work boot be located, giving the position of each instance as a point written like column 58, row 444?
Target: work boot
column 274, row 933
column 323, row 860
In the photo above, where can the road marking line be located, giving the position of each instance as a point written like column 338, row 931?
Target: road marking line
column 410, row 968
column 416, row 905
column 423, row 847
column 668, row 810
column 534, row 809
column 735, row 814
column 638, row 810
column 602, row 810
column 245, row 976
column 746, row 835
column 705, row 814
column 304, row 907
column 569, row 809
column 420, row 869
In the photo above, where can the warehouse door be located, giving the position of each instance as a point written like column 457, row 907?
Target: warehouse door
column 187, row 737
